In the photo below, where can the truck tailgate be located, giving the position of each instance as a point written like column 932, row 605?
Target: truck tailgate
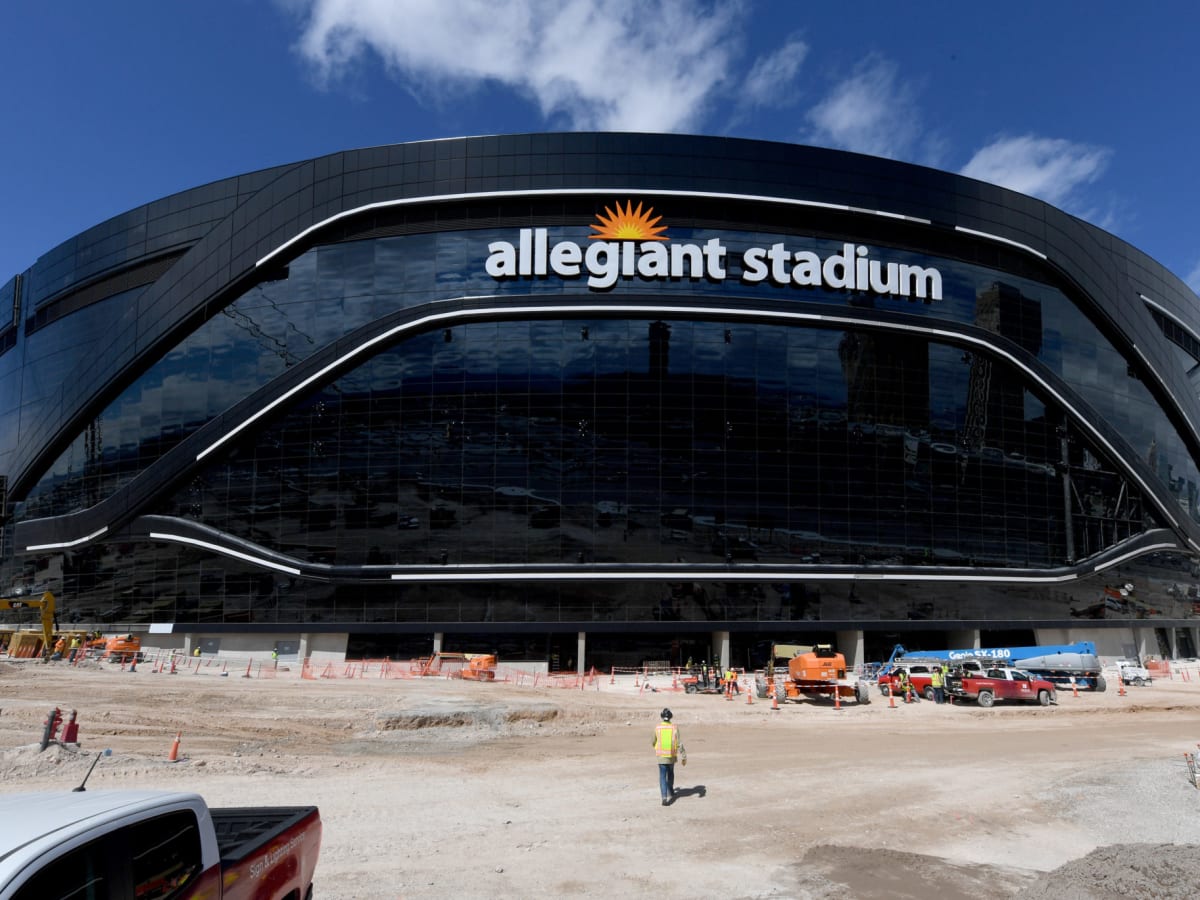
column 267, row 851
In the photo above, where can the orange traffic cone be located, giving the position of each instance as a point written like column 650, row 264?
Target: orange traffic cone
column 1074, row 688
column 1121, row 690
column 837, row 698
column 774, row 700
column 749, row 693
column 891, row 698
column 173, row 756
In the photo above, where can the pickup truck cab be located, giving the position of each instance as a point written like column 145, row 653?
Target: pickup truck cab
column 989, row 685
column 153, row 845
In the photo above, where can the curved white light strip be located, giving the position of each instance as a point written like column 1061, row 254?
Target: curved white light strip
column 64, row 544
column 1170, row 315
column 1003, row 240
column 224, row 551
column 1108, row 564
column 844, row 321
column 581, row 192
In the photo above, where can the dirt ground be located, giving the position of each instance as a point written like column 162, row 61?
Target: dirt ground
column 439, row 788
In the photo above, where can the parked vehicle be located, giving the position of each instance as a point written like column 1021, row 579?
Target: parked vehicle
column 997, row 683
column 1062, row 664
column 1133, row 673
column 147, row 845
column 919, row 675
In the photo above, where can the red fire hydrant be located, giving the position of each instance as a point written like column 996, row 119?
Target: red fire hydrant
column 70, row 733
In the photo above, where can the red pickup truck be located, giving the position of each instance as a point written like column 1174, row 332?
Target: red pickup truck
column 994, row 684
column 153, row 845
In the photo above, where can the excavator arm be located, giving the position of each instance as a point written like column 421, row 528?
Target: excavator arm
column 49, row 618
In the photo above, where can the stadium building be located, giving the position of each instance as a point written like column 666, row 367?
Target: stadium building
column 604, row 398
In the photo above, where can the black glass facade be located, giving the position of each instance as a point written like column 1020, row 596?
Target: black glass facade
column 364, row 429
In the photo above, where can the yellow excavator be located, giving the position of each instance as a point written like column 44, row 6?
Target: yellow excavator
column 49, row 620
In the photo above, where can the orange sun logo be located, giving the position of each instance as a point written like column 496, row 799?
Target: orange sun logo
column 628, row 224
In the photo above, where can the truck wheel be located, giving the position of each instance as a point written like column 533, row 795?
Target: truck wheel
column 885, row 690
column 689, row 689
column 780, row 692
column 986, row 699
column 1044, row 698
column 862, row 693
column 1101, row 684
column 929, row 693
column 1140, row 681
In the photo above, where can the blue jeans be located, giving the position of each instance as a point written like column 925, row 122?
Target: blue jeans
column 666, row 780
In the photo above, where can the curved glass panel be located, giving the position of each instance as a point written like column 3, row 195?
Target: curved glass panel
column 330, row 290
column 657, row 441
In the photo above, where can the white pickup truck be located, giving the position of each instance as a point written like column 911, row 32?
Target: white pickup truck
column 153, row 845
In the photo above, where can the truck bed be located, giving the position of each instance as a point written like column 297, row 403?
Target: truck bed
column 243, row 830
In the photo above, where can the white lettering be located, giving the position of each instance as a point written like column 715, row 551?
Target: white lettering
column 606, row 262
column 839, row 270
column 502, row 259
column 654, row 261
column 690, row 254
column 920, row 281
column 807, row 272
column 603, row 261
column 565, row 257
column 753, row 268
column 714, row 259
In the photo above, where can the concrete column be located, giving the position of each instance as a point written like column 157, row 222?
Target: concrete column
column 720, row 646
column 302, row 648
column 580, row 650
column 187, row 645
column 1173, row 642
column 437, row 642
column 965, row 639
column 1144, row 643
column 1195, row 635
column 850, row 645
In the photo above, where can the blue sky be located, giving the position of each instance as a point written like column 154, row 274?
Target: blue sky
column 1090, row 106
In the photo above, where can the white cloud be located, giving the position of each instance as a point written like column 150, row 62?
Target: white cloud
column 1193, row 279
column 1048, row 168
column 604, row 64
column 769, row 80
column 870, row 112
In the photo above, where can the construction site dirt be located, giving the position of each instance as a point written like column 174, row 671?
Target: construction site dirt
column 437, row 787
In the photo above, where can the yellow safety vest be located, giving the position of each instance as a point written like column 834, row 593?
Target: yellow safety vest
column 935, row 678
column 666, row 741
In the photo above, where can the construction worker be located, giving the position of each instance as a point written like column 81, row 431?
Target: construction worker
column 74, row 647
column 731, row 680
column 667, row 749
column 937, row 681
column 60, row 647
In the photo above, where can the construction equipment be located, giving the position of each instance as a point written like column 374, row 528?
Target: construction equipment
column 479, row 667
column 471, row 666
column 122, row 648
column 49, row 619
column 812, row 671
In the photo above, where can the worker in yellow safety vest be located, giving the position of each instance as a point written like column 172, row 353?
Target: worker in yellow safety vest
column 937, row 681
column 667, row 748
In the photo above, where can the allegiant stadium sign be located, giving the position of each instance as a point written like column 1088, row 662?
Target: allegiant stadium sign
column 629, row 243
